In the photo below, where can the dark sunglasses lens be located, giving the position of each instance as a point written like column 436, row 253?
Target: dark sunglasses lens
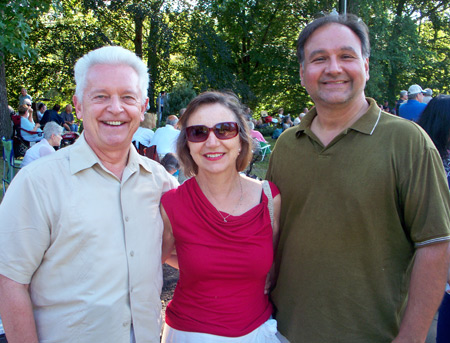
column 226, row 130
column 197, row 133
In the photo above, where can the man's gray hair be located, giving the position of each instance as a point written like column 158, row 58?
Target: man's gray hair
column 52, row 128
column 251, row 125
column 112, row 55
column 172, row 120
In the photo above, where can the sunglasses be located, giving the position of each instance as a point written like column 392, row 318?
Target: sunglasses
column 200, row 133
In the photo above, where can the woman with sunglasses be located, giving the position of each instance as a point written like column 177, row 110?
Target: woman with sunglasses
column 221, row 224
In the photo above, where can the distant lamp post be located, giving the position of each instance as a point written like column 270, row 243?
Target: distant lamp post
column 343, row 6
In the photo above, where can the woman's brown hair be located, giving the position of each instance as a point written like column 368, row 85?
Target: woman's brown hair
column 228, row 100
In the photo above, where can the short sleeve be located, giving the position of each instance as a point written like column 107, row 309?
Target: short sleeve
column 24, row 232
column 425, row 196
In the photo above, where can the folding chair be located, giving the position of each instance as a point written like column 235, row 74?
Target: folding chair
column 10, row 164
column 20, row 145
column 264, row 149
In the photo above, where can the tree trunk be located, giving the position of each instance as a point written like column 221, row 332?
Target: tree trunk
column 396, row 35
column 138, row 23
column 152, row 61
column 5, row 120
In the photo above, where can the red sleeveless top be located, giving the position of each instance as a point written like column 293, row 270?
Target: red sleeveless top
column 223, row 265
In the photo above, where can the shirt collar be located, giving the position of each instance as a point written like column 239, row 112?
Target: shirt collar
column 366, row 124
column 83, row 157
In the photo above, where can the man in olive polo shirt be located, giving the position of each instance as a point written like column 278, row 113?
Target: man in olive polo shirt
column 363, row 247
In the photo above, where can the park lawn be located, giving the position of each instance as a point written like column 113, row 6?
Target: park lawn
column 260, row 168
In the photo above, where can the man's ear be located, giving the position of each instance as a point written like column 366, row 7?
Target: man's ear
column 143, row 109
column 366, row 67
column 301, row 74
column 78, row 107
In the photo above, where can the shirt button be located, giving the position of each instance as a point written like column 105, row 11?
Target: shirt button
column 131, row 253
column 126, row 218
column 125, row 324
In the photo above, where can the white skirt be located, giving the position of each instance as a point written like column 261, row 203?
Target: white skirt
column 266, row 333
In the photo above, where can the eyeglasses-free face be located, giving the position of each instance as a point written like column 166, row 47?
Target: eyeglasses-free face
column 200, row 133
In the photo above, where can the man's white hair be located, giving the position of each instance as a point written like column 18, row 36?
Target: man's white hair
column 113, row 55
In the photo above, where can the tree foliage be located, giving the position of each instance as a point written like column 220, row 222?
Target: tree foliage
column 247, row 46
column 18, row 19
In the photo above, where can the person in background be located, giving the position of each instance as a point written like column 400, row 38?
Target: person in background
column 53, row 115
column 27, row 123
column 143, row 136
column 221, row 225
column 412, row 109
column 363, row 252
column 435, row 120
column 52, row 139
column 41, row 108
column 402, row 99
column 427, row 95
column 68, row 118
column 162, row 99
column 286, row 122
column 165, row 138
column 80, row 233
column 23, row 96
column 255, row 134
column 171, row 164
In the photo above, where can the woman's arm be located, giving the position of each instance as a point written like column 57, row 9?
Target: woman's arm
column 270, row 280
column 168, row 254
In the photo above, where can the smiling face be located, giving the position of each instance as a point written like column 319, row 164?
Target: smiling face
column 334, row 71
column 214, row 155
column 111, row 107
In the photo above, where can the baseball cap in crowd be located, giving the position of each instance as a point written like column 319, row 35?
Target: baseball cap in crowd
column 264, row 114
column 403, row 93
column 415, row 89
column 428, row 92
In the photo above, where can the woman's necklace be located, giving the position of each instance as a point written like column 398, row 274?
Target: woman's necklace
column 235, row 207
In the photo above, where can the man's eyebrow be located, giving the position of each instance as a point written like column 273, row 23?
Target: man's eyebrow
column 323, row 51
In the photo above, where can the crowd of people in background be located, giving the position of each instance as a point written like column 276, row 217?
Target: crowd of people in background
column 337, row 259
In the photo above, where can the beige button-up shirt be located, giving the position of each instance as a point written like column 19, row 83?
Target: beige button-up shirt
column 88, row 244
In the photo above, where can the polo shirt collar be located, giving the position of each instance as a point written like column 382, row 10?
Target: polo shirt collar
column 83, row 157
column 366, row 124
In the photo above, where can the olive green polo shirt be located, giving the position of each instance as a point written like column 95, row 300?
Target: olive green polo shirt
column 352, row 214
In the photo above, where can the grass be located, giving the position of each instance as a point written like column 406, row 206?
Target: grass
column 260, row 168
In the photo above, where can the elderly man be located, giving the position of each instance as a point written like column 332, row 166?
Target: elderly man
column 80, row 239
column 24, row 96
column 165, row 138
column 373, row 219
column 67, row 116
column 413, row 108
